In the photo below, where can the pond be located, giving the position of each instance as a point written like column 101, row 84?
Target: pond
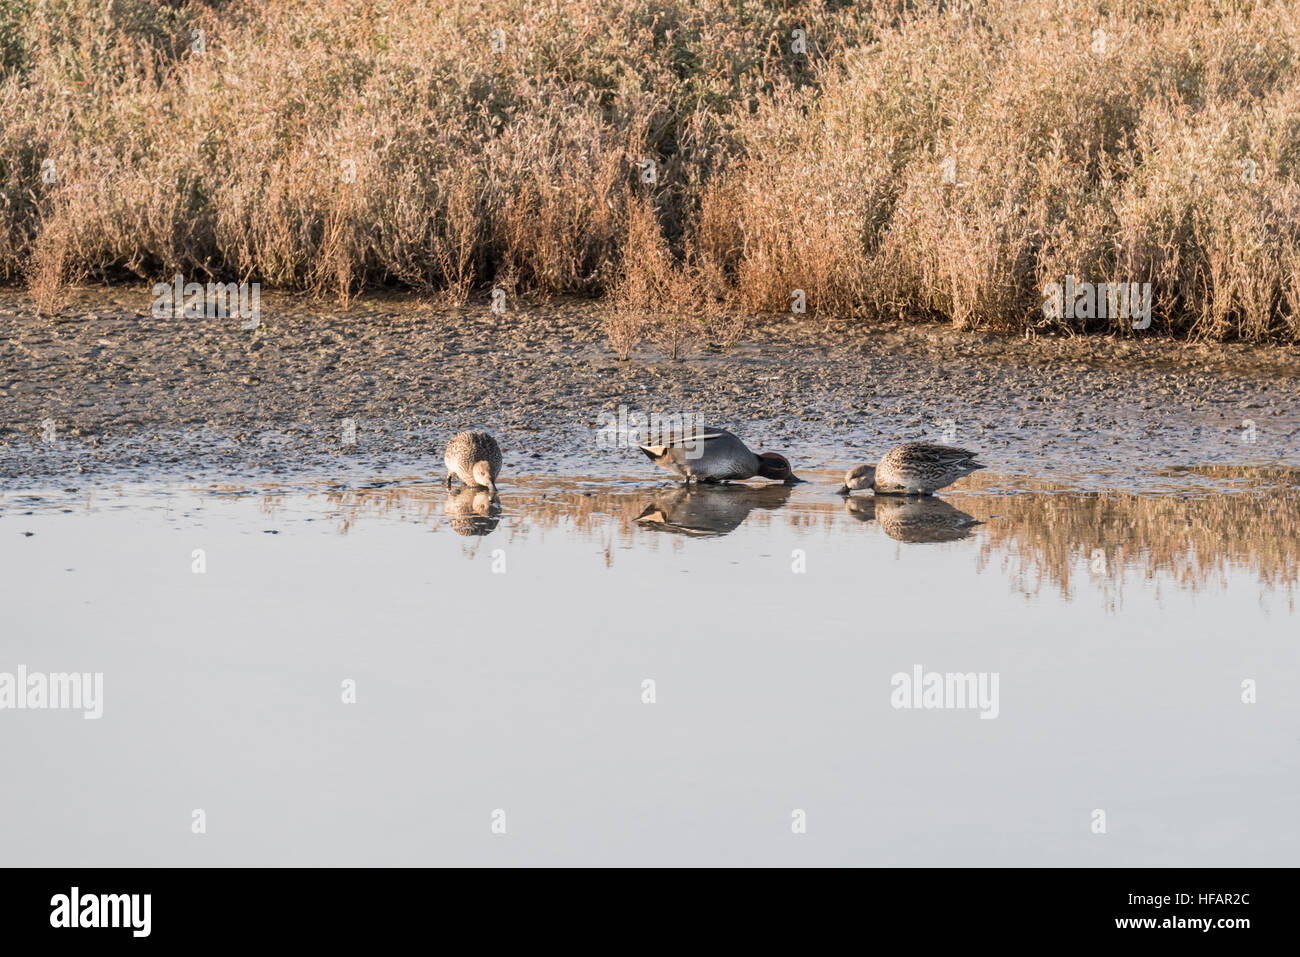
column 604, row 671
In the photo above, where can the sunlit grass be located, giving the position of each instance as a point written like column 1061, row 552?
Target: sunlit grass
column 941, row 163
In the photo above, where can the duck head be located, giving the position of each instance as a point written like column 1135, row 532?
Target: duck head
column 864, row 476
column 777, row 468
column 482, row 474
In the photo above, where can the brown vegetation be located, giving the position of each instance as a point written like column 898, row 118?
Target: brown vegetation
column 914, row 160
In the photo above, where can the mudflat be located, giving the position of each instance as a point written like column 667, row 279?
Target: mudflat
column 108, row 389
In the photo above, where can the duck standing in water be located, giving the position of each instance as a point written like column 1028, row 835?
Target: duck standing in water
column 913, row 468
column 475, row 459
column 709, row 454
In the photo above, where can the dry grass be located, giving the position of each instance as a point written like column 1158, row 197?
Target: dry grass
column 675, row 303
column 943, row 162
column 47, row 270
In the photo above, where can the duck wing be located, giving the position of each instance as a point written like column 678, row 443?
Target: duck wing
column 689, row 440
column 705, row 453
column 926, row 453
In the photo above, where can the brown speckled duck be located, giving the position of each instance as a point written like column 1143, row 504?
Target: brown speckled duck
column 913, row 468
column 475, row 459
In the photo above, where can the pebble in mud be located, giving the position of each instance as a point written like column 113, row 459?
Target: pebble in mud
column 171, row 398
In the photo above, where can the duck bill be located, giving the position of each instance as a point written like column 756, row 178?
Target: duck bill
column 795, row 480
column 843, row 490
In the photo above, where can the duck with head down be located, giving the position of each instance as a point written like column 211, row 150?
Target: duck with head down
column 474, row 458
column 913, row 468
column 709, row 454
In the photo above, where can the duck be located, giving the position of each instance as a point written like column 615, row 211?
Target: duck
column 711, row 454
column 913, row 468
column 475, row 459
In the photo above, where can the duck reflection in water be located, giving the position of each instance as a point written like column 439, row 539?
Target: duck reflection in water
column 472, row 510
column 709, row 510
column 913, row 518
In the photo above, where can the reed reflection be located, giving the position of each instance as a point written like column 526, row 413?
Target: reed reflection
column 1036, row 534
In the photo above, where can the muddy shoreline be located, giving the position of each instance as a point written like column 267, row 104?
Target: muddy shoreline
column 137, row 398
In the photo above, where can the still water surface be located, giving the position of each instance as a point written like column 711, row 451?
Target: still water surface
column 500, row 656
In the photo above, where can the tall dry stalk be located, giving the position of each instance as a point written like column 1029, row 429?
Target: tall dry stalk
column 457, row 243
column 48, row 270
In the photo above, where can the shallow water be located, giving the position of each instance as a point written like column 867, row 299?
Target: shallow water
column 499, row 657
